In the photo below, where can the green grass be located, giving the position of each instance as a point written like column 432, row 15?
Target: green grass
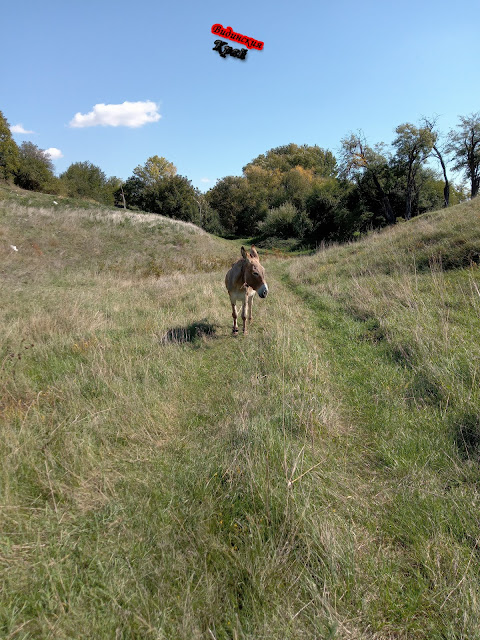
column 404, row 348
column 162, row 479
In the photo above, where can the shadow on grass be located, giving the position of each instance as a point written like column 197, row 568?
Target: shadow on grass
column 191, row 333
column 467, row 435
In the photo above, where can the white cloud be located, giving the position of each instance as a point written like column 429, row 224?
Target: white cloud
column 205, row 180
column 127, row 114
column 54, row 153
column 18, row 128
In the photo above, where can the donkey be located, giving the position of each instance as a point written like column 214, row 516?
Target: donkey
column 243, row 280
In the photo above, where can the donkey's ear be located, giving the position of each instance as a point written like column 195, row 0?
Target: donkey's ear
column 253, row 252
column 244, row 254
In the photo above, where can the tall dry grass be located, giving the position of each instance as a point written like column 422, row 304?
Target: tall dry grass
column 162, row 479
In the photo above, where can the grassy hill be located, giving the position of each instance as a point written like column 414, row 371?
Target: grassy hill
column 161, row 479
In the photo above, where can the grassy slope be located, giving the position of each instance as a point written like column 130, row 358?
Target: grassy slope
column 157, row 478
column 400, row 315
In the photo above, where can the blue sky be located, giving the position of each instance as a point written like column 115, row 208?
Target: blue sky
column 327, row 68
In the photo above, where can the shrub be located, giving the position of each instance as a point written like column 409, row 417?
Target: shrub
column 279, row 221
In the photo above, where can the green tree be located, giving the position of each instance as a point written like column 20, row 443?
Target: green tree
column 86, row 180
column 413, row 145
column 284, row 158
column 9, row 153
column 358, row 159
column 174, row 197
column 265, row 184
column 327, row 209
column 208, row 218
column 113, row 190
column 439, row 152
column 253, row 208
column 282, row 175
column 227, row 198
column 430, row 194
column 154, row 170
column 142, row 189
column 464, row 145
column 134, row 191
column 35, row 171
column 297, row 184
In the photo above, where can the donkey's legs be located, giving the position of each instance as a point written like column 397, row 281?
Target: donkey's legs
column 249, row 311
column 234, row 316
column 244, row 314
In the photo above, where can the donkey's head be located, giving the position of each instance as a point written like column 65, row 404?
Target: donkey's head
column 254, row 272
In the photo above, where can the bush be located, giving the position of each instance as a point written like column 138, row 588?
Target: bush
column 279, row 222
column 285, row 221
column 85, row 180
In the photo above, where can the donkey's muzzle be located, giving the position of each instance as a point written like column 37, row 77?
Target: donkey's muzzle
column 263, row 291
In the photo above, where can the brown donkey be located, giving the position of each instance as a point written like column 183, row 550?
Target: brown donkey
column 243, row 280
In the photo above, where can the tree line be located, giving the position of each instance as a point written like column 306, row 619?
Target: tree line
column 295, row 195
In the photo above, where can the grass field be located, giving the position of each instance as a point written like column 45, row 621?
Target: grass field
column 161, row 479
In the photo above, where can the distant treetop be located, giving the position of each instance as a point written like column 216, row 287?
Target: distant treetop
column 289, row 156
